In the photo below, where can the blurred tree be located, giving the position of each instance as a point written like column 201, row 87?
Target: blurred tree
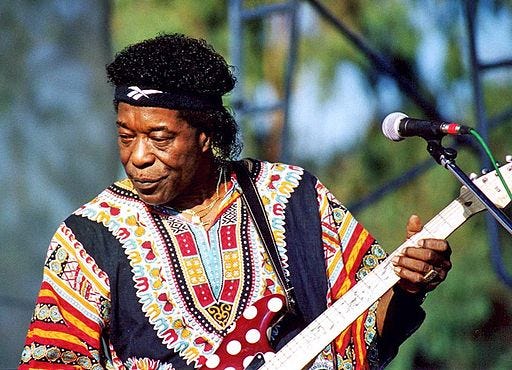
column 133, row 21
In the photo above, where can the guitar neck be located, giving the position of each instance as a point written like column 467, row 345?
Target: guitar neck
column 303, row 348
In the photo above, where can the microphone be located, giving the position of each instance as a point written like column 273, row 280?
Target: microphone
column 397, row 126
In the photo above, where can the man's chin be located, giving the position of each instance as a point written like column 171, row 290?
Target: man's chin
column 150, row 198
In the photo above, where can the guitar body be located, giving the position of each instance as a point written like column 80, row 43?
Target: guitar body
column 246, row 345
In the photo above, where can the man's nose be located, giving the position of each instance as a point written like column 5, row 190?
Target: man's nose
column 142, row 155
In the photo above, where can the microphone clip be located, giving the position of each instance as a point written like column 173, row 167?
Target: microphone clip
column 440, row 154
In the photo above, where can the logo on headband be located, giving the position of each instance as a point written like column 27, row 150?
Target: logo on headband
column 136, row 93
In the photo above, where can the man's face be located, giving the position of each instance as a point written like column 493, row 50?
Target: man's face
column 160, row 152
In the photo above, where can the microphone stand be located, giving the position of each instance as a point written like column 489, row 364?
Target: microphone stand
column 446, row 158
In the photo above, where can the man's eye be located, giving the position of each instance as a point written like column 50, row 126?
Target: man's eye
column 125, row 137
column 161, row 139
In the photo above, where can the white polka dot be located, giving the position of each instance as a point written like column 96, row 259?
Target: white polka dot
column 234, row 347
column 247, row 361
column 213, row 362
column 275, row 304
column 250, row 313
column 253, row 336
column 229, row 368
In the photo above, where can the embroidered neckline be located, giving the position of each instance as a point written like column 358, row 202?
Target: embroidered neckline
column 144, row 236
column 232, row 192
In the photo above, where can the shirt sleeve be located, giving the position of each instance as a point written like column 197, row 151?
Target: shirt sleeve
column 72, row 308
column 351, row 252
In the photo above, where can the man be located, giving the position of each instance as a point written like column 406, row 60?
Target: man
column 156, row 270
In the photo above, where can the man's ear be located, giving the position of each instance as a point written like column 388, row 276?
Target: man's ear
column 205, row 141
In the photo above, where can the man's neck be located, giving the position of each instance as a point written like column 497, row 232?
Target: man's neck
column 204, row 187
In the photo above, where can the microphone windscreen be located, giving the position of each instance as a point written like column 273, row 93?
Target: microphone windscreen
column 391, row 124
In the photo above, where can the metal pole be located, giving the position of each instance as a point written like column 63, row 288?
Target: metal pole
column 235, row 50
column 289, row 75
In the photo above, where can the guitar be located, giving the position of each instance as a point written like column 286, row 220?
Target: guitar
column 246, row 345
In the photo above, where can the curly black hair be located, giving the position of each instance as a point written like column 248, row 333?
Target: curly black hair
column 178, row 63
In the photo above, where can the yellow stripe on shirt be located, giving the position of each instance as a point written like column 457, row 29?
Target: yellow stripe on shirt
column 68, row 316
column 48, row 334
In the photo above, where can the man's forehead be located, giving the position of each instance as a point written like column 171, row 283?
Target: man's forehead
column 152, row 118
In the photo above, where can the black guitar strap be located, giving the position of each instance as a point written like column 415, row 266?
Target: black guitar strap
column 253, row 203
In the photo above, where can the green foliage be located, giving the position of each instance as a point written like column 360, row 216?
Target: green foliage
column 133, row 21
column 453, row 61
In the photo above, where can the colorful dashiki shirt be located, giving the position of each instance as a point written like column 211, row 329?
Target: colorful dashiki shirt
column 131, row 286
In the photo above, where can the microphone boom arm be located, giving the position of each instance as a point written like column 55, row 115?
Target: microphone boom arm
column 446, row 158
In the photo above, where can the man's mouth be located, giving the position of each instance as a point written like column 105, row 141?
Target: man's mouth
column 143, row 183
column 142, row 180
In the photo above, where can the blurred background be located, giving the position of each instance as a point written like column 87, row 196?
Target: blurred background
column 316, row 78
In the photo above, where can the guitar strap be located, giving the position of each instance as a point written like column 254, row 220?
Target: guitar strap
column 252, row 201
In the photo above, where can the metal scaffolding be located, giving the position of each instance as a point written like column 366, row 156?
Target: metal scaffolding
column 239, row 14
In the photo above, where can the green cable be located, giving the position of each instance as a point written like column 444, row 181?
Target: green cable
column 493, row 161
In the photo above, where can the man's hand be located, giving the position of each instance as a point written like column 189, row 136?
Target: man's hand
column 422, row 269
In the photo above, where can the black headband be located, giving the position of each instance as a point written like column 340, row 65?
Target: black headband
column 148, row 97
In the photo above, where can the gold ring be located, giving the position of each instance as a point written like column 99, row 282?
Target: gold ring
column 429, row 276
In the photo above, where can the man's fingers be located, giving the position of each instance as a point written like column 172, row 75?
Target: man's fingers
column 420, row 267
column 413, row 225
column 429, row 250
